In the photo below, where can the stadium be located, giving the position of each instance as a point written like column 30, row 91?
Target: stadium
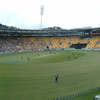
column 29, row 60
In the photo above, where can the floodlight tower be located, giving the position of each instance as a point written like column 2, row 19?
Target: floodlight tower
column 41, row 12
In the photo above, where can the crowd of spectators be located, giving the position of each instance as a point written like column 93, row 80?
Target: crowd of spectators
column 34, row 43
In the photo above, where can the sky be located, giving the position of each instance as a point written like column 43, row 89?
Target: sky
column 67, row 14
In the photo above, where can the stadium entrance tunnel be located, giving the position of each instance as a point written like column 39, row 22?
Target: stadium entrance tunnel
column 47, row 47
column 79, row 45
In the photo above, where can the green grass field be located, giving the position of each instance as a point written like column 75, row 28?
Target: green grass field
column 21, row 79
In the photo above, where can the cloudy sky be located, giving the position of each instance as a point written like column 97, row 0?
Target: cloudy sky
column 63, row 13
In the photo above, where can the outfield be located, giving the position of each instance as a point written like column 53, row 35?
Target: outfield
column 21, row 79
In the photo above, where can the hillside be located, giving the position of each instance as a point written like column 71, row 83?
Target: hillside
column 8, row 27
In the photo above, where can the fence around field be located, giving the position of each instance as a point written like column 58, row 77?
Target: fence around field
column 76, row 94
column 6, row 52
column 57, row 49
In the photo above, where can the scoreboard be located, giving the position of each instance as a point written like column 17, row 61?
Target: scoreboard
column 84, row 34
